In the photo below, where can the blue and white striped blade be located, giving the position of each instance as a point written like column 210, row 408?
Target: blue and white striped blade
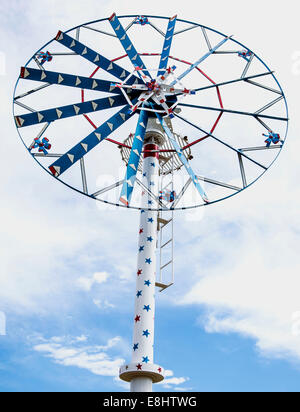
column 94, row 57
column 88, row 143
column 65, row 79
column 127, row 44
column 167, row 46
column 183, row 159
column 200, row 60
column 63, row 112
column 134, row 158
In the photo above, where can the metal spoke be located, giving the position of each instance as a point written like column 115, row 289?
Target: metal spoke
column 220, row 141
column 99, row 31
column 242, row 169
column 263, row 86
column 182, row 192
column 227, row 52
column 83, row 176
column 40, row 66
column 150, row 193
column 206, row 38
column 263, row 124
column 46, row 155
column 130, row 25
column 268, row 106
column 31, row 91
column 108, row 188
column 217, row 183
column 219, row 109
column 253, row 149
column 184, row 30
column 232, row 81
column 25, row 106
column 200, row 60
column 63, row 54
column 156, row 28
column 247, row 66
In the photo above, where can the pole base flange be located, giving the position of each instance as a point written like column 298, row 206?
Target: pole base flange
column 135, row 370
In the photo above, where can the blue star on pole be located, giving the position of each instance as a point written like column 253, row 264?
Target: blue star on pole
column 143, row 211
column 150, row 202
column 146, row 333
column 152, row 184
column 150, row 239
column 147, row 308
column 152, row 164
column 139, row 293
column 135, row 346
column 150, row 220
column 145, row 359
column 149, row 261
column 141, row 249
column 144, row 174
column 147, row 283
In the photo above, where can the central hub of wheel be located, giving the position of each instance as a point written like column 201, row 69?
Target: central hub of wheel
column 156, row 95
column 153, row 85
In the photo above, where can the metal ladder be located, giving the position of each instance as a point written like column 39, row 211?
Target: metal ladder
column 165, row 244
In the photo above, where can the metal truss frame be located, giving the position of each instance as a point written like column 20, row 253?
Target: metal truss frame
column 64, row 161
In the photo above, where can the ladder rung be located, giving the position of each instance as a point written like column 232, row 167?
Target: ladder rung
column 165, row 265
column 164, row 158
column 164, row 222
column 163, row 286
column 165, row 244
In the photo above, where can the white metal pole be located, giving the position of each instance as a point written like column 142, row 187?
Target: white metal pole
column 142, row 371
column 143, row 333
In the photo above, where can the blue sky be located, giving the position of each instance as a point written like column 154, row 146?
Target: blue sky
column 67, row 267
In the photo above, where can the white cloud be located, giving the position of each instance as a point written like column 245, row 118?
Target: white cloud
column 86, row 283
column 96, row 359
column 68, row 351
column 183, row 389
column 105, row 304
column 174, row 381
column 81, row 338
column 170, row 380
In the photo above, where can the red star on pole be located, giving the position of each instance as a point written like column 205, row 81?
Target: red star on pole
column 159, row 370
column 141, row 231
column 139, row 367
column 137, row 318
column 139, row 272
